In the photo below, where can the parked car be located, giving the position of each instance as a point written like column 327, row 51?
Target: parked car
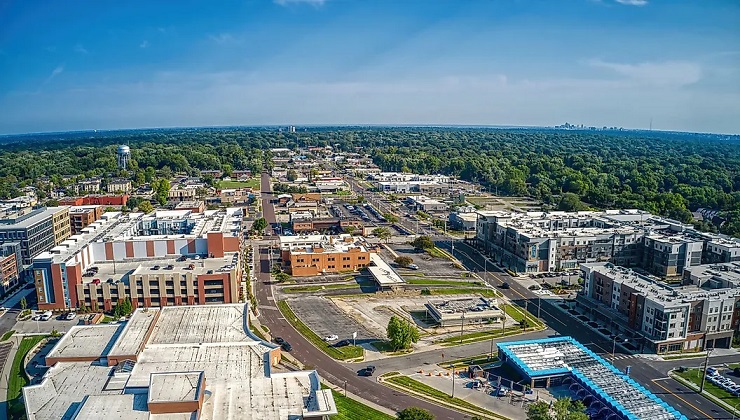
column 279, row 340
column 342, row 343
column 70, row 316
column 368, row 371
column 331, row 337
column 286, row 346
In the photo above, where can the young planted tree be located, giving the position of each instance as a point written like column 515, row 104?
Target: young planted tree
column 382, row 233
column 24, row 303
column 401, row 333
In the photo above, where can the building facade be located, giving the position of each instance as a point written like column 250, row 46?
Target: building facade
column 666, row 319
column 312, row 255
column 36, row 230
column 179, row 257
column 82, row 216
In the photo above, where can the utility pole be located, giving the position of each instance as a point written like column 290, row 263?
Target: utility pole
column 706, row 366
column 462, row 326
column 503, row 326
column 539, row 305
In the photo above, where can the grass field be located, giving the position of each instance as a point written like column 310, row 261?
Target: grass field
column 485, row 292
column 479, row 336
column 7, row 335
column 17, row 379
column 414, row 385
column 316, row 288
column 436, row 253
column 694, row 375
column 431, row 282
column 349, row 409
column 252, row 183
column 340, row 353
column 518, row 314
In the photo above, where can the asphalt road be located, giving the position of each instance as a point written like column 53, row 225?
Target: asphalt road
column 333, row 371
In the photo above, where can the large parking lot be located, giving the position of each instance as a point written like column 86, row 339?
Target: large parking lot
column 325, row 318
column 428, row 265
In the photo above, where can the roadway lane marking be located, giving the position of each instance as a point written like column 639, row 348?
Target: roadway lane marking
column 682, row 399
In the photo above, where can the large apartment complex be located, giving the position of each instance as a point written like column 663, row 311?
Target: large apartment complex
column 704, row 313
column 163, row 259
column 541, row 242
column 36, row 230
column 311, row 255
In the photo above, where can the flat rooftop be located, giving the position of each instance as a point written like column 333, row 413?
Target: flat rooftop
column 86, row 341
column 122, row 270
column 469, row 306
column 383, row 273
column 187, row 343
column 134, row 333
column 561, row 356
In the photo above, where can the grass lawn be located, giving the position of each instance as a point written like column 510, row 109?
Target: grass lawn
column 17, row 379
column 694, row 375
column 436, row 253
column 682, row 356
column 349, row 409
column 485, row 292
column 430, row 282
column 252, row 183
column 7, row 335
column 384, row 346
column 518, row 314
column 414, row 385
column 340, row 353
column 479, row 336
column 316, row 288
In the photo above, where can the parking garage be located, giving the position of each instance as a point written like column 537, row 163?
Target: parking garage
column 607, row 392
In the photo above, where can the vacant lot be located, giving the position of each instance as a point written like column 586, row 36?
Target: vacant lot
column 324, row 318
column 428, row 265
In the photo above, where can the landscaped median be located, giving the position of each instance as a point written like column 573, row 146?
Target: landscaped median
column 349, row 409
column 692, row 378
column 339, row 353
column 17, row 378
column 412, row 386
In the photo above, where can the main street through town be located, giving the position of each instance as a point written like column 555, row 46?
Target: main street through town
column 650, row 373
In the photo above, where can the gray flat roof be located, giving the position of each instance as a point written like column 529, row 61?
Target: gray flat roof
column 86, row 341
column 133, row 334
column 114, row 407
column 200, row 324
column 175, row 386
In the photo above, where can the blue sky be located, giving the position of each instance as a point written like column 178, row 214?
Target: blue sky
column 75, row 65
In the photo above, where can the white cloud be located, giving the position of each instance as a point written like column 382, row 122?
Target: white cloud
column 633, row 2
column 54, row 73
column 144, row 44
column 224, row 38
column 667, row 73
column 80, row 49
column 315, row 3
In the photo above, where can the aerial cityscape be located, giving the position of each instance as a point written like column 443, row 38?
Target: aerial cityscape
column 346, row 210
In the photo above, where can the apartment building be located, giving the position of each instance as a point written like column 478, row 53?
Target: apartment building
column 665, row 318
column 37, row 230
column 119, row 185
column 178, row 257
column 312, row 255
column 82, row 216
column 87, row 185
column 540, row 242
column 10, row 265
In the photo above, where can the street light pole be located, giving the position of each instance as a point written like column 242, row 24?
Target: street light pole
column 706, row 366
column 734, row 409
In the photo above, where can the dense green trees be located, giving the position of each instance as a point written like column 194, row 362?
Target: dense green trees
column 665, row 173
column 562, row 409
column 414, row 413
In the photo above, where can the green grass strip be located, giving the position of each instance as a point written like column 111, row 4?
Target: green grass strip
column 18, row 379
column 424, row 389
column 694, row 376
column 340, row 353
column 7, row 335
column 349, row 409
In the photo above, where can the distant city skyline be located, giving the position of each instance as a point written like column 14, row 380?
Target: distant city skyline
column 616, row 63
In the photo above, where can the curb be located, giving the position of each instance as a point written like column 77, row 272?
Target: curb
column 704, row 394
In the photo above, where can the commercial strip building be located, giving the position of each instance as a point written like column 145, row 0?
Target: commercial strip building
column 601, row 386
column 187, row 362
column 464, row 310
column 542, row 242
column 693, row 317
column 140, row 257
column 311, row 255
column 37, row 230
column 425, row 204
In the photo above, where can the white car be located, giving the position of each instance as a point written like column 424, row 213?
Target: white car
column 70, row 316
column 331, row 337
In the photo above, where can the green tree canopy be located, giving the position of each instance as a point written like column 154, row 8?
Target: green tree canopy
column 414, row 413
column 403, row 261
column 146, row 207
column 423, row 242
column 259, row 225
column 401, row 333
column 383, row 233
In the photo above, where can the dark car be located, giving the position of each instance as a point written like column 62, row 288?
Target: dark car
column 279, row 340
column 286, row 346
column 368, row 371
column 342, row 343
column 505, row 285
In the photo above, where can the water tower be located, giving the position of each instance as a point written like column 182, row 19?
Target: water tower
column 124, row 155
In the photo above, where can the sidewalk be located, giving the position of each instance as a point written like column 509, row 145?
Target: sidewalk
column 5, row 374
